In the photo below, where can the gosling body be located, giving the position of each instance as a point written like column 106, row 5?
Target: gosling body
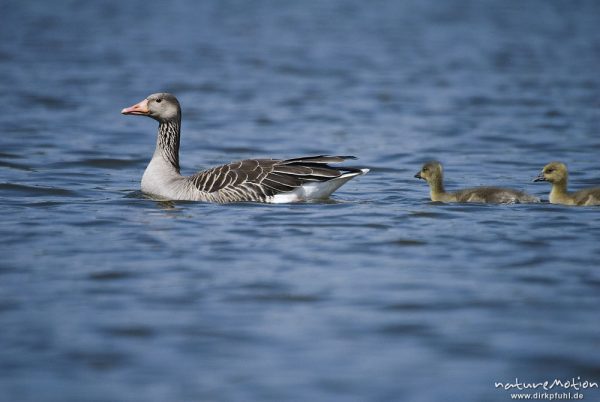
column 557, row 174
column 432, row 173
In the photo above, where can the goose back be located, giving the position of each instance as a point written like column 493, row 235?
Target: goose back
column 263, row 179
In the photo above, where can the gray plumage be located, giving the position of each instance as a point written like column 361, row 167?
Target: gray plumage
column 258, row 180
column 262, row 179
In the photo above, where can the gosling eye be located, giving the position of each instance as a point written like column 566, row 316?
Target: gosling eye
column 549, row 170
column 158, row 100
column 425, row 169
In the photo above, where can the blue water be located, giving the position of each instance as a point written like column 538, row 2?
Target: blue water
column 379, row 295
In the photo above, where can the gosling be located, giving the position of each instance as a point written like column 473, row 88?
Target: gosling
column 557, row 174
column 432, row 173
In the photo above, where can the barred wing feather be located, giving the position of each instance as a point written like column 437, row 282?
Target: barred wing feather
column 261, row 179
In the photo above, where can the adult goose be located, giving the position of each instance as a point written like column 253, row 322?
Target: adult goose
column 257, row 180
column 432, row 172
column 557, row 174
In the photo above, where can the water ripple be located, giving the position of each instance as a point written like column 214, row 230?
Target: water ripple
column 33, row 191
column 378, row 294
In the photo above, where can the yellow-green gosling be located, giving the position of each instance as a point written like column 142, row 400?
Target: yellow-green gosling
column 557, row 174
column 432, row 173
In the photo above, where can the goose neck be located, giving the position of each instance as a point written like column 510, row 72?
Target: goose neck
column 437, row 186
column 167, row 143
column 559, row 189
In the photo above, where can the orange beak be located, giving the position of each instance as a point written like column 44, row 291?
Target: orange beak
column 138, row 109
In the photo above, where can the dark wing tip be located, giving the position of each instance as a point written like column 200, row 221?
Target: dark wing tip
column 319, row 159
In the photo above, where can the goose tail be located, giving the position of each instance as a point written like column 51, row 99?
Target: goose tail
column 318, row 190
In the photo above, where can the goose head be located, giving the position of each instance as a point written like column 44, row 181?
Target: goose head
column 431, row 172
column 161, row 106
column 554, row 172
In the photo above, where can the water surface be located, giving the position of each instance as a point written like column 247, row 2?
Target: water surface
column 381, row 295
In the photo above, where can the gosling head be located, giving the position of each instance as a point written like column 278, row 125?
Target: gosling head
column 160, row 106
column 554, row 172
column 430, row 172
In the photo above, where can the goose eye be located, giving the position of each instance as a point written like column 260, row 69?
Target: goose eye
column 158, row 100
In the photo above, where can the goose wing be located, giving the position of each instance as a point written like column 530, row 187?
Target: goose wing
column 259, row 179
column 590, row 196
column 494, row 195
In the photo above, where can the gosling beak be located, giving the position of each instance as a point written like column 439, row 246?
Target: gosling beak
column 140, row 109
column 540, row 177
column 418, row 175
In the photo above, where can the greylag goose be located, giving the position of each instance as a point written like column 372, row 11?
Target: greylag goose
column 432, row 172
column 257, row 180
column 557, row 174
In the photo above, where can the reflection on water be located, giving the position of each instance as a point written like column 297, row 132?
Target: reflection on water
column 379, row 294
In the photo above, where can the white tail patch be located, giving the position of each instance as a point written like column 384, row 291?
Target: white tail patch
column 316, row 190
